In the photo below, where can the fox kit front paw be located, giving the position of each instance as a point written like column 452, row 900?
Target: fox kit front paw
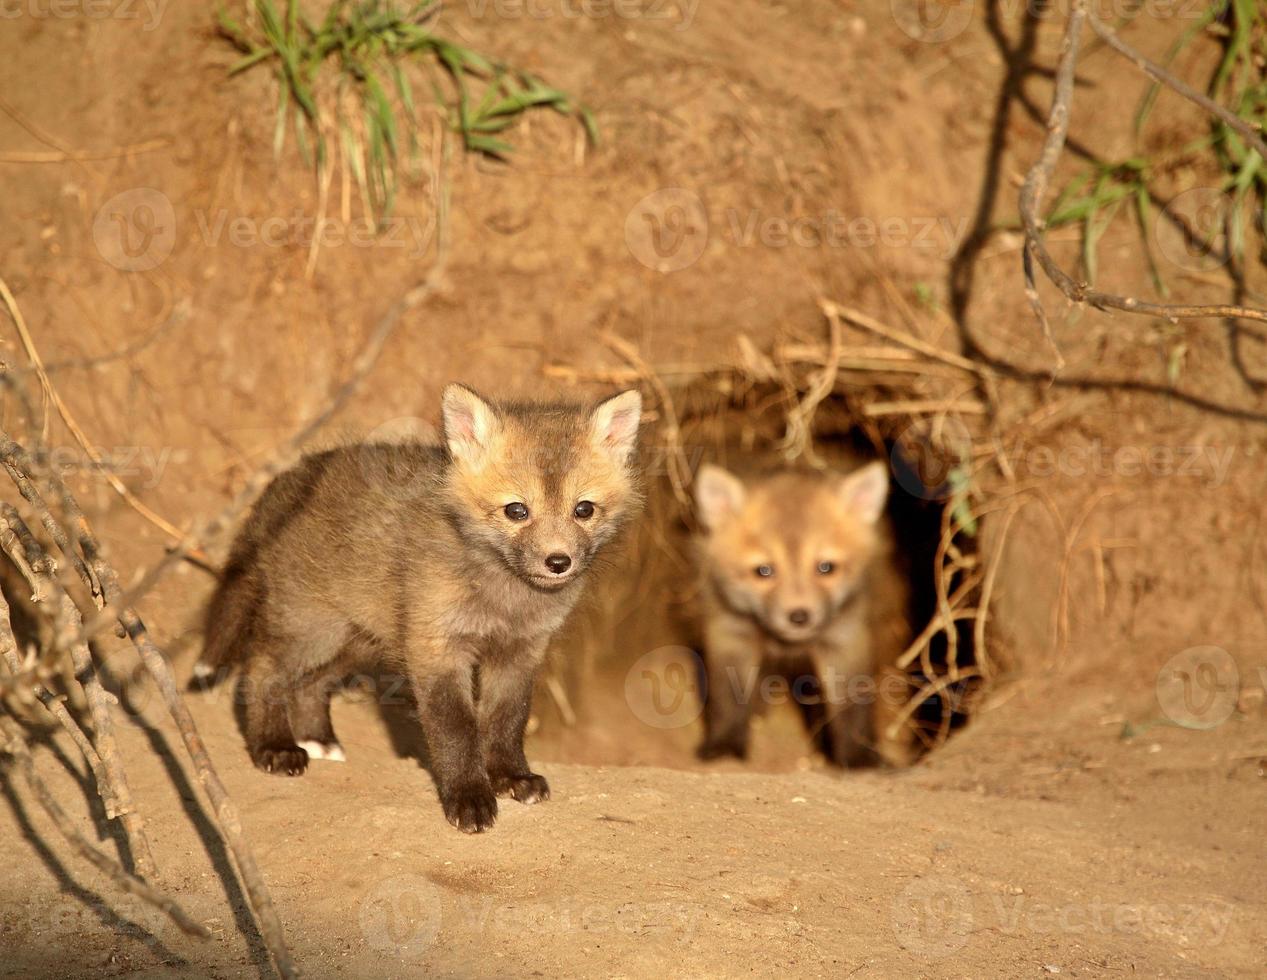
column 471, row 807
column 280, row 759
column 525, row 788
column 721, row 748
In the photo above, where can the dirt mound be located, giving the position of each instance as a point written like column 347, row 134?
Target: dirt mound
column 1086, row 857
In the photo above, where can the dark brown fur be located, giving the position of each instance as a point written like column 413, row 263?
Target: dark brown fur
column 405, row 556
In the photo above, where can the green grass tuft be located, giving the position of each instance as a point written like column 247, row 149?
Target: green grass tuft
column 1096, row 196
column 360, row 51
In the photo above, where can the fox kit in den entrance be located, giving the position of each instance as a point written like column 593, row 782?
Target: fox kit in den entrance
column 787, row 565
column 454, row 564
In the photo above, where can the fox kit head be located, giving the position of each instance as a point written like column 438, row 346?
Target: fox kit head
column 542, row 487
column 789, row 549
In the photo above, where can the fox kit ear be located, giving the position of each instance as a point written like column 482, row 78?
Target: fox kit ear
column 864, row 492
column 719, row 495
column 469, row 423
column 614, row 424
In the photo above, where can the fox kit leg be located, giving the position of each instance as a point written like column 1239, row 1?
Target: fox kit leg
column 308, row 706
column 733, row 662
column 308, row 709
column 505, row 698
column 848, row 740
column 446, row 711
column 264, row 693
column 281, row 688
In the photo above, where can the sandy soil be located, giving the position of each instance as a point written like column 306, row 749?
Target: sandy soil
column 1092, row 857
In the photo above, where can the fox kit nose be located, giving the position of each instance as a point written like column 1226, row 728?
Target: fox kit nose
column 798, row 617
column 558, row 563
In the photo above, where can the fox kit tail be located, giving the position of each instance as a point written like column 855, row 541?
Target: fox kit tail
column 228, row 624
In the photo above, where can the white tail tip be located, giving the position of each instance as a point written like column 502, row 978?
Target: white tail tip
column 331, row 751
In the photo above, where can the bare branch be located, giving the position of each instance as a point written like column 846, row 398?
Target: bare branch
column 222, row 806
column 19, row 755
column 202, row 535
column 12, row 546
column 112, row 781
column 20, row 466
column 1159, row 74
column 1036, row 180
column 1039, row 175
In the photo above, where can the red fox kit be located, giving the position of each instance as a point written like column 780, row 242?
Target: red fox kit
column 787, row 562
column 454, row 564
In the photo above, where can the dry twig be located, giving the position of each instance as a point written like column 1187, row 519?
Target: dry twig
column 53, row 704
column 51, row 394
column 1159, row 74
column 19, row 756
column 112, row 783
column 70, row 636
column 205, row 533
column 1040, row 173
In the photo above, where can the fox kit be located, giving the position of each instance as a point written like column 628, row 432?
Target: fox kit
column 454, row 564
column 786, row 562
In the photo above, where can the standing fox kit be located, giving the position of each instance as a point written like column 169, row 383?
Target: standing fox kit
column 785, row 566
column 454, row 564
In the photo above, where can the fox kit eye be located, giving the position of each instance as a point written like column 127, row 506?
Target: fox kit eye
column 765, row 571
column 516, row 511
column 826, row 567
column 584, row 510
